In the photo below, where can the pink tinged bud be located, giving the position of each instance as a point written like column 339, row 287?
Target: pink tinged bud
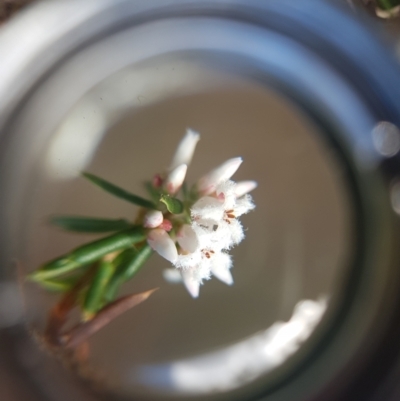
column 166, row 225
column 187, row 239
column 244, row 187
column 224, row 172
column 175, row 179
column 185, row 150
column 220, row 268
column 161, row 242
column 157, row 181
column 191, row 284
column 153, row 219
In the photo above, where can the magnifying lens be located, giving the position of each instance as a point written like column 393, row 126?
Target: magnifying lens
column 307, row 95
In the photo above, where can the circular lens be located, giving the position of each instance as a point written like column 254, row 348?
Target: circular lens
column 292, row 259
column 321, row 234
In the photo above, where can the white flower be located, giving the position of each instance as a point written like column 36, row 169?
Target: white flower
column 198, row 248
column 185, row 149
column 218, row 264
column 191, row 283
column 220, row 267
column 208, row 207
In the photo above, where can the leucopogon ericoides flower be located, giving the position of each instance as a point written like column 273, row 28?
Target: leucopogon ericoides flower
column 197, row 236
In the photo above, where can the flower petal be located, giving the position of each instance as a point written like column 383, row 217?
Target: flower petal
column 207, row 184
column 244, row 187
column 187, row 238
column 208, row 207
column 172, row 275
column 220, row 267
column 175, row 179
column 153, row 218
column 161, row 242
column 191, row 284
column 185, row 149
column 243, row 205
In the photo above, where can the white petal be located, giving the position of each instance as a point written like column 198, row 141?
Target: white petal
column 220, row 267
column 161, row 242
column 153, row 219
column 243, row 205
column 244, row 187
column 172, row 275
column 207, row 184
column 226, row 193
column 204, row 230
column 187, row 261
column 191, row 284
column 208, row 207
column 185, row 150
column 221, row 237
column 175, row 179
column 187, row 238
column 236, row 231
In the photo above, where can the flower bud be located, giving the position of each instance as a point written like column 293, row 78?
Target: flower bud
column 244, row 187
column 187, row 238
column 185, row 149
column 161, row 242
column 153, row 219
column 207, row 184
column 175, row 179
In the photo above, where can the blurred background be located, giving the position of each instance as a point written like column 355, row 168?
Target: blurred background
column 116, row 102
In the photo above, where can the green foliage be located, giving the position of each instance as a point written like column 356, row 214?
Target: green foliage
column 174, row 205
column 95, row 294
column 128, row 264
column 89, row 224
column 119, row 192
column 89, row 253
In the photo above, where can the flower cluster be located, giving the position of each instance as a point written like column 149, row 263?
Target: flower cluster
column 197, row 240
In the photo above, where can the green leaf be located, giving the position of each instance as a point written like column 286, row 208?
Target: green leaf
column 174, row 206
column 63, row 285
column 95, row 294
column 89, row 253
column 128, row 270
column 119, row 192
column 128, row 264
column 89, row 224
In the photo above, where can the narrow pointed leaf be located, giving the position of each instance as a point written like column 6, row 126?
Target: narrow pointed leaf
column 123, row 259
column 174, row 205
column 89, row 253
column 63, row 285
column 89, row 224
column 130, row 269
column 95, row 293
column 84, row 331
column 119, row 192
column 127, row 267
